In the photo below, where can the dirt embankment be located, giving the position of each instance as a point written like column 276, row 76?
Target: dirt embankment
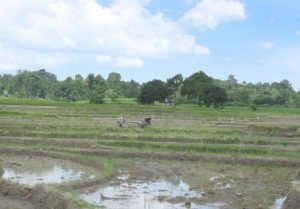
column 38, row 197
column 293, row 199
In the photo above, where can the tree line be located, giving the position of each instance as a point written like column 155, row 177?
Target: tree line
column 199, row 88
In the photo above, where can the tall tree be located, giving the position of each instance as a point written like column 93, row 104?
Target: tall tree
column 152, row 91
column 194, row 86
column 96, row 88
column 214, row 95
column 174, row 84
column 130, row 89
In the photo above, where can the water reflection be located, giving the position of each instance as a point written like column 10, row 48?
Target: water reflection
column 147, row 195
column 55, row 174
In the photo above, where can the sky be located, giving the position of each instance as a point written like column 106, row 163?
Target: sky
column 256, row 41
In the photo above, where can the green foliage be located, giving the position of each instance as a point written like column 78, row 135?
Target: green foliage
column 174, row 84
column 194, row 86
column 201, row 87
column 30, row 84
column 195, row 89
column 152, row 91
column 199, row 148
column 214, row 95
column 97, row 95
column 114, row 84
column 70, row 90
column 112, row 94
column 253, row 107
column 130, row 89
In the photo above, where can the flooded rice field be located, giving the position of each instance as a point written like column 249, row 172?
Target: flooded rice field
column 32, row 171
column 147, row 195
column 54, row 175
column 154, row 185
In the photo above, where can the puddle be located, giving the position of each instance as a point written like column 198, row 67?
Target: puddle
column 279, row 203
column 55, row 174
column 147, row 195
column 123, row 177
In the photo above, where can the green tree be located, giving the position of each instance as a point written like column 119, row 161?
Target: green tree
column 66, row 91
column 194, row 86
column 7, row 84
column 115, row 84
column 112, row 94
column 214, row 95
column 97, row 95
column 114, row 79
column 296, row 98
column 34, row 84
column 174, row 84
column 97, row 88
column 130, row 89
column 152, row 91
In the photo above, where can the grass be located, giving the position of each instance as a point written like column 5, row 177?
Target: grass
column 191, row 148
column 130, row 107
column 184, row 128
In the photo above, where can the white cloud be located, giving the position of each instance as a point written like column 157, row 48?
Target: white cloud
column 128, row 62
column 53, row 60
column 48, row 33
column 208, row 14
column 7, row 67
column 103, row 58
column 119, row 61
column 267, row 45
column 126, row 28
column 12, row 59
column 201, row 50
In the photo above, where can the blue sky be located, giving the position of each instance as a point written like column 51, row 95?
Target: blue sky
column 147, row 39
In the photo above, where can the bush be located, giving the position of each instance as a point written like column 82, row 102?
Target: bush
column 253, row 107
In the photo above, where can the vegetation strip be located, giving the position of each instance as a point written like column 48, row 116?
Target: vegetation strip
column 151, row 155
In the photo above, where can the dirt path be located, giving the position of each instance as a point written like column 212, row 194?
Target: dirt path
column 7, row 203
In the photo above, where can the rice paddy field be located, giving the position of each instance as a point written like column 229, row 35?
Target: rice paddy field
column 74, row 155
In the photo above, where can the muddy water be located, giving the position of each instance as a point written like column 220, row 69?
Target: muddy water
column 159, row 194
column 55, row 174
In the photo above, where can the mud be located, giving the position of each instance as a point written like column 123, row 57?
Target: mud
column 292, row 201
column 7, row 203
column 32, row 198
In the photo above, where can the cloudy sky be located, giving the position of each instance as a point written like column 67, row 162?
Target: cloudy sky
column 147, row 39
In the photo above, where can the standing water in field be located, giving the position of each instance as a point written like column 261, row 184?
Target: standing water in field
column 159, row 194
column 56, row 174
column 33, row 171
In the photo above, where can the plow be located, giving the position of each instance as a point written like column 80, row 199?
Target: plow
column 141, row 123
